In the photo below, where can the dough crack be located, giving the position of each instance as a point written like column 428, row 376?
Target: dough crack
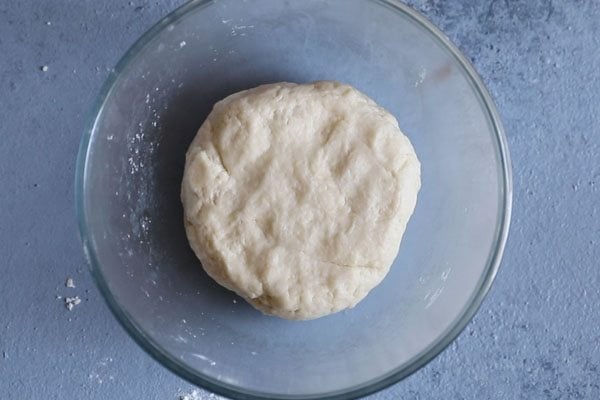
column 221, row 160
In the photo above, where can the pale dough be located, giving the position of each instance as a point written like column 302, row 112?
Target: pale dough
column 296, row 197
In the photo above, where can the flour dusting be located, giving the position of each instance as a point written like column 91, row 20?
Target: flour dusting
column 195, row 394
column 71, row 302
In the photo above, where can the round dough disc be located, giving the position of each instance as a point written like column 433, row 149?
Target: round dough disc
column 296, row 197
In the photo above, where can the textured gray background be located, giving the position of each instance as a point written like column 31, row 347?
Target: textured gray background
column 537, row 336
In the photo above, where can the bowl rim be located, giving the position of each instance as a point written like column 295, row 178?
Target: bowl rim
column 365, row 388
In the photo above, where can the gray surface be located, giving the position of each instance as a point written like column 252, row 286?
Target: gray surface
column 537, row 334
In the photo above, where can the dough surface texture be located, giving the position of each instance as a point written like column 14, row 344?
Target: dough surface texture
column 296, row 197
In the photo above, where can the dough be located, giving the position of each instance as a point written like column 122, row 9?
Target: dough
column 296, row 196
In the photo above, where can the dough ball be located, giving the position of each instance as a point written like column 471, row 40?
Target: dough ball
column 296, row 197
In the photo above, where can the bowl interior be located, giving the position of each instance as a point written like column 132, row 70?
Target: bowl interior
column 132, row 217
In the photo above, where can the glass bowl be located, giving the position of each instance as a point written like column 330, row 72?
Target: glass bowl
column 131, row 163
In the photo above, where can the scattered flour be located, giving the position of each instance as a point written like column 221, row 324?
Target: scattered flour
column 71, row 302
column 193, row 395
column 197, row 395
column 422, row 77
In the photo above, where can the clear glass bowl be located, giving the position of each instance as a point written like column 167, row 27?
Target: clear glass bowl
column 130, row 168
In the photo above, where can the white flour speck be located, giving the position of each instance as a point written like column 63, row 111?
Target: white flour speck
column 71, row 302
column 70, row 283
column 431, row 297
column 445, row 274
column 204, row 358
column 193, row 395
column 94, row 376
column 236, row 28
column 44, row 68
column 182, row 43
column 422, row 77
